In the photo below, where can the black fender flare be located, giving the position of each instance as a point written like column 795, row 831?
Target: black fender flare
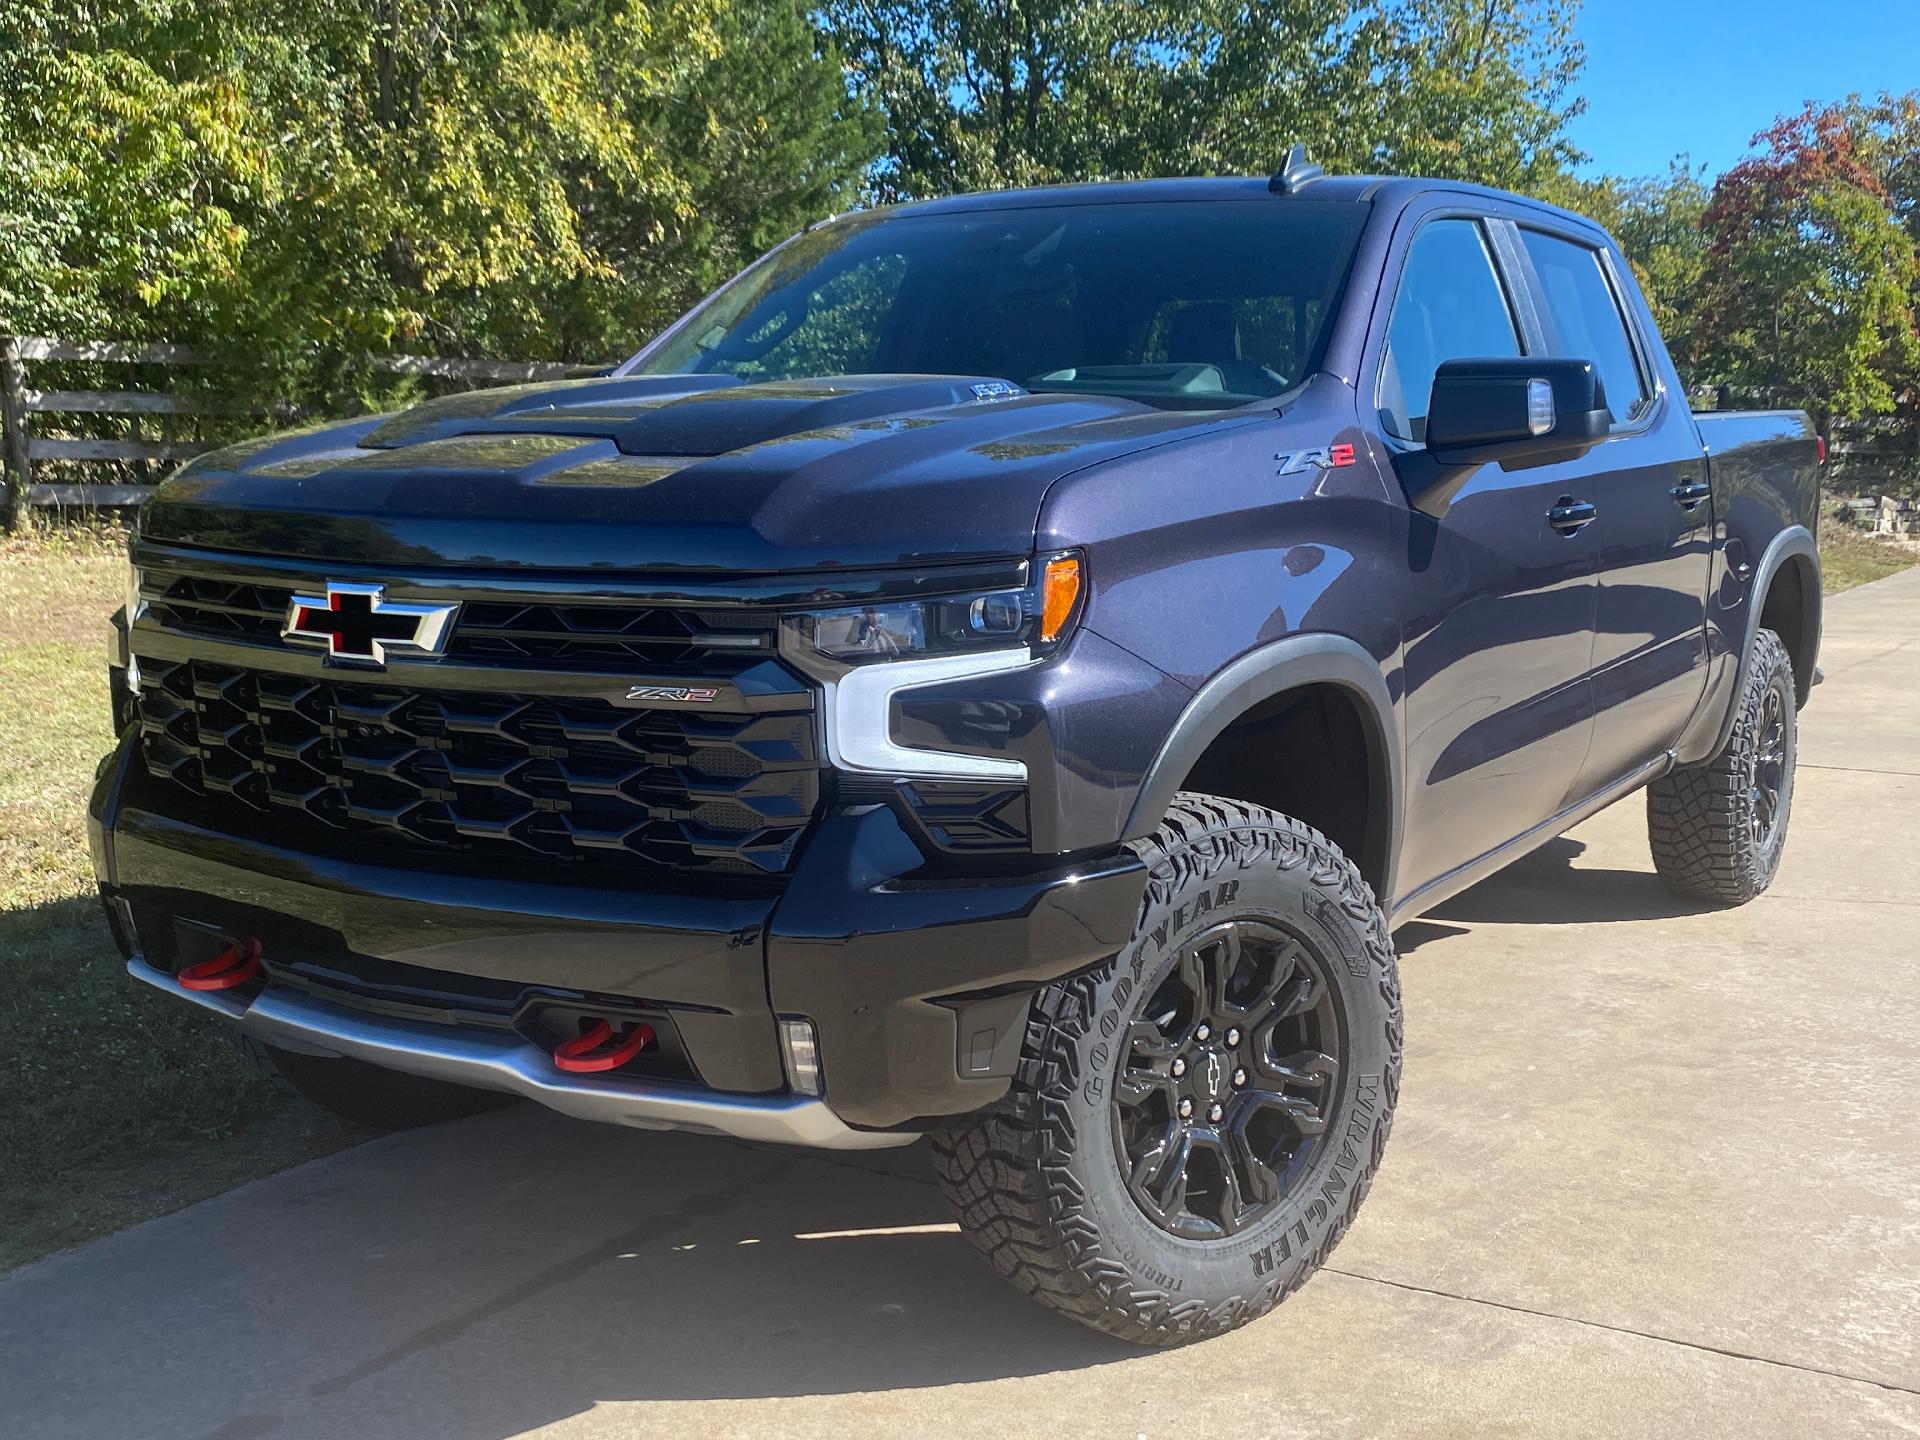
column 1796, row 542
column 1259, row 675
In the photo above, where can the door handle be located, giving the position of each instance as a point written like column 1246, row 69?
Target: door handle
column 1571, row 516
column 1692, row 494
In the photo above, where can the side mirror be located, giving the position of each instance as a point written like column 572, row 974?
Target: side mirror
column 1512, row 412
column 1529, row 409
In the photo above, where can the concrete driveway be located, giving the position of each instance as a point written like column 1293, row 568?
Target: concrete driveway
column 1657, row 1171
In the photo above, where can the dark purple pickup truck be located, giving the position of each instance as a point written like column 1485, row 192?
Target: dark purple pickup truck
column 998, row 670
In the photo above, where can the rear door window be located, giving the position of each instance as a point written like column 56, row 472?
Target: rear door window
column 1587, row 323
column 1450, row 306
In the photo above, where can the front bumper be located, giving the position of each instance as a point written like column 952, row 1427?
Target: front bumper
column 917, row 982
column 488, row 1060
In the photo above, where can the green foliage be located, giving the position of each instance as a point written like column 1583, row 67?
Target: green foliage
column 989, row 93
column 1657, row 222
column 1795, row 278
column 305, row 183
column 1812, row 278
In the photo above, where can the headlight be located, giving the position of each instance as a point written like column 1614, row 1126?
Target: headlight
column 1037, row 617
column 865, row 655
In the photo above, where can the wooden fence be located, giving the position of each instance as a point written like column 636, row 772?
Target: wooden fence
column 21, row 448
column 1871, row 456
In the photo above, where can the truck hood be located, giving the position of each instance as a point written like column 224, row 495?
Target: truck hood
column 664, row 474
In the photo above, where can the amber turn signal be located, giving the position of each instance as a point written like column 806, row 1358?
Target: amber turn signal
column 1059, row 594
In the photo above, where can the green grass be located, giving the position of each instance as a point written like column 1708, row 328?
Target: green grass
column 1849, row 558
column 115, row 1104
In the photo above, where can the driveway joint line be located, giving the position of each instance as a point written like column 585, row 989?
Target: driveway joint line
column 1700, row 1345
column 1796, row 899
column 1860, row 770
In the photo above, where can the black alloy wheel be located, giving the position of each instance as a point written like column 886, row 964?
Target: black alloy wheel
column 1228, row 1080
column 1769, row 768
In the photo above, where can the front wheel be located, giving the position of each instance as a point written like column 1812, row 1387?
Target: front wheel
column 1192, row 1125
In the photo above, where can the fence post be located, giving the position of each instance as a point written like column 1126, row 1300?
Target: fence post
column 13, row 433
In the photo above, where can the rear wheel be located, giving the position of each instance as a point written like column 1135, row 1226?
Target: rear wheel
column 1192, row 1125
column 367, row 1094
column 1718, row 830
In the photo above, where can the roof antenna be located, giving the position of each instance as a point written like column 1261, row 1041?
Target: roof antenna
column 1295, row 173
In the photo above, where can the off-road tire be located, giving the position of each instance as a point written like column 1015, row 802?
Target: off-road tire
column 1700, row 819
column 367, row 1094
column 1036, row 1181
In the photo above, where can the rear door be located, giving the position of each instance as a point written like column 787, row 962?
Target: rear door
column 1647, row 482
column 1498, row 613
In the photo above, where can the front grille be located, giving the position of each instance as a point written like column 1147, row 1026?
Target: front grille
column 598, row 636
column 222, row 609
column 575, row 778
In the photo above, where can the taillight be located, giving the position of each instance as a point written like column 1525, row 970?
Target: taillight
column 1819, row 449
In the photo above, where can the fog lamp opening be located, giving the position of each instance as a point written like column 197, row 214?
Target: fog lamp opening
column 801, row 1051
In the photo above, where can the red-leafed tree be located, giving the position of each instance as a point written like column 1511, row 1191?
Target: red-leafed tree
column 1811, row 278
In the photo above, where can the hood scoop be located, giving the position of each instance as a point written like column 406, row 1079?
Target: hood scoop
column 686, row 415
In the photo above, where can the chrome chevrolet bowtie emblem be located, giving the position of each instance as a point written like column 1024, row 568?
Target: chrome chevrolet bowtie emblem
column 1216, row 1074
column 358, row 623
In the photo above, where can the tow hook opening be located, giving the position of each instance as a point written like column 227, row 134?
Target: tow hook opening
column 599, row 1047
column 236, row 964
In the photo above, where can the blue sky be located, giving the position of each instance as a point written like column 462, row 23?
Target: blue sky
column 1665, row 76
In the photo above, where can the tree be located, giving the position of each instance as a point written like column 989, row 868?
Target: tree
column 305, row 182
column 772, row 141
column 121, row 188
column 1478, row 90
column 1657, row 222
column 1810, row 287
column 1886, row 131
column 989, row 93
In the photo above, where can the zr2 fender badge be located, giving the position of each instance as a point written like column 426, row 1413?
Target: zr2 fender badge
column 1330, row 457
column 680, row 694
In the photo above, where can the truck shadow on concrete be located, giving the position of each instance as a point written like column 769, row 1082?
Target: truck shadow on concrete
column 490, row 1276
column 1547, row 887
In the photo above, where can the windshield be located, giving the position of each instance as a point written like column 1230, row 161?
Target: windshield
column 1184, row 305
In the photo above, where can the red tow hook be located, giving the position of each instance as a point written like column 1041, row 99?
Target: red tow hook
column 233, row 966
column 583, row 1056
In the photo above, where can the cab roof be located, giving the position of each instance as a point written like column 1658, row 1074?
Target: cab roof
column 1388, row 191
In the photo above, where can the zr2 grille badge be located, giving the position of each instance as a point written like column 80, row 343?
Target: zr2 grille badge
column 678, row 694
